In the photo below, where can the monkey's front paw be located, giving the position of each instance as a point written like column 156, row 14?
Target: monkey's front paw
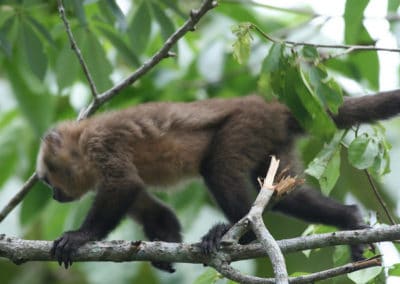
column 164, row 266
column 66, row 245
column 211, row 241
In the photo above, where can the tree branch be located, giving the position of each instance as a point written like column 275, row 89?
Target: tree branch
column 20, row 251
column 77, row 50
column 164, row 52
column 231, row 273
column 379, row 197
column 348, row 48
column 99, row 100
column 19, row 196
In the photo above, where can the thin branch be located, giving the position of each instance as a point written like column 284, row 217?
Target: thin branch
column 231, row 273
column 19, row 196
column 333, row 272
column 349, row 48
column 77, row 50
column 189, row 25
column 379, row 197
column 20, row 251
column 164, row 52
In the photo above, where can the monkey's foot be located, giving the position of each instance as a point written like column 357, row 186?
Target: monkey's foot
column 211, row 241
column 64, row 247
column 164, row 266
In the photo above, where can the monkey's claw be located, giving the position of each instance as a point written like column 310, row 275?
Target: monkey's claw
column 165, row 266
column 65, row 246
column 211, row 241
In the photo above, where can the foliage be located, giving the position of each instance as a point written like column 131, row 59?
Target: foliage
column 41, row 83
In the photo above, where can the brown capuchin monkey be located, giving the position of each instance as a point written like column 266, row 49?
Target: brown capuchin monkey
column 225, row 141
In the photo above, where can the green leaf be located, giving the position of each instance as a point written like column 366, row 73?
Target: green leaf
column 393, row 5
column 363, row 151
column 35, row 102
column 381, row 163
column 4, row 44
column 33, row 50
column 117, row 13
column 327, row 90
column 318, row 121
column 210, row 276
column 166, row 25
column 310, row 52
column 341, row 255
column 326, row 165
column 34, row 202
column 367, row 64
column 242, row 44
column 96, row 59
column 140, row 27
column 122, row 47
column 331, row 174
column 80, row 11
column 364, row 275
column 271, row 61
column 353, row 18
column 10, row 131
column 394, row 270
column 174, row 7
column 67, row 67
column 42, row 30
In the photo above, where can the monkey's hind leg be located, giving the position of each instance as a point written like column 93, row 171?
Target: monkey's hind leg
column 310, row 205
column 159, row 223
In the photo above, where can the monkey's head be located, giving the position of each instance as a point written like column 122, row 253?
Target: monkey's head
column 61, row 166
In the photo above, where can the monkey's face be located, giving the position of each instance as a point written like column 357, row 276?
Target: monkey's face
column 59, row 166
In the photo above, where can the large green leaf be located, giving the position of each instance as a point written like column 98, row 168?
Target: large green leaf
column 140, row 27
column 118, row 42
column 210, row 276
column 367, row 63
column 365, row 275
column 33, row 50
column 96, row 59
column 67, row 67
column 10, row 131
column 326, row 165
column 271, row 61
column 36, row 103
column 112, row 11
column 316, row 76
column 393, row 5
column 363, row 151
column 34, row 202
column 166, row 25
column 353, row 18
column 41, row 29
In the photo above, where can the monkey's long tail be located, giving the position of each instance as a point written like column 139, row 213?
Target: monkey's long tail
column 367, row 109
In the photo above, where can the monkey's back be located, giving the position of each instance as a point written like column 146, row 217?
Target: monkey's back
column 167, row 141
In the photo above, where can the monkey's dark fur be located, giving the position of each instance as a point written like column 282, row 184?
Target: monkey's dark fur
column 226, row 141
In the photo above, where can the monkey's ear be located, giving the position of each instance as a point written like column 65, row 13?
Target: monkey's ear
column 53, row 139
